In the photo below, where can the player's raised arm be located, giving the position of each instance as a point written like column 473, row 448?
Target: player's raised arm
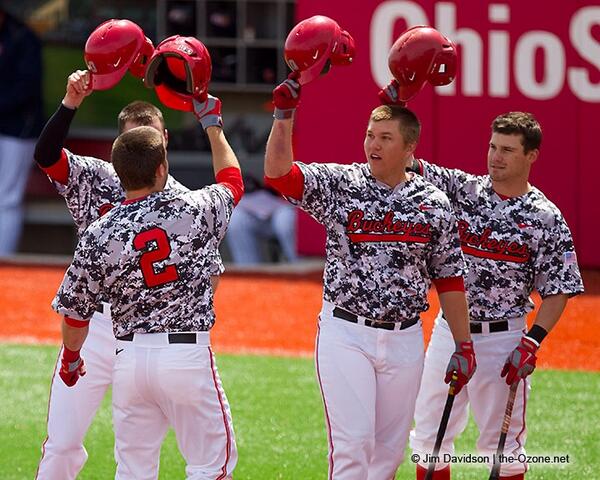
column 225, row 163
column 48, row 150
column 279, row 155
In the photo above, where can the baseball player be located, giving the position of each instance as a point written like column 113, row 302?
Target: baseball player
column 389, row 234
column 91, row 188
column 514, row 240
column 149, row 258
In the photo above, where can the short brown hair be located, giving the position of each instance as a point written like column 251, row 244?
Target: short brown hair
column 136, row 154
column 410, row 127
column 520, row 123
column 139, row 113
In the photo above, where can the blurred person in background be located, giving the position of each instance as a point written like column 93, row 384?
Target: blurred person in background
column 261, row 215
column 21, row 120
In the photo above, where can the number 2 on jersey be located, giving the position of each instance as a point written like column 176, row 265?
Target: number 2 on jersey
column 142, row 241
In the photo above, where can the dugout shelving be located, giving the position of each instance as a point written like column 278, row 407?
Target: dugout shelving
column 245, row 38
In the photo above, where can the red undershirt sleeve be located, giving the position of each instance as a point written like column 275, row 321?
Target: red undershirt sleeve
column 231, row 177
column 59, row 171
column 291, row 184
column 450, row 284
column 72, row 322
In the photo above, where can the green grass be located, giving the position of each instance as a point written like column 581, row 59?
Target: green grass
column 102, row 107
column 279, row 421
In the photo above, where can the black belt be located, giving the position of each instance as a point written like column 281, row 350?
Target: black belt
column 351, row 317
column 185, row 337
column 477, row 327
column 100, row 308
column 501, row 326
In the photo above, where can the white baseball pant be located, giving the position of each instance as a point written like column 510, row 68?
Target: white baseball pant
column 486, row 392
column 157, row 385
column 71, row 409
column 369, row 379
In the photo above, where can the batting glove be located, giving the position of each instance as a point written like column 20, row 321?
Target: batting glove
column 286, row 97
column 389, row 95
column 521, row 361
column 71, row 367
column 463, row 363
column 208, row 112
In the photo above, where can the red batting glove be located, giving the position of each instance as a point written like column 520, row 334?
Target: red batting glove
column 286, row 97
column 521, row 361
column 463, row 363
column 71, row 367
column 208, row 112
column 389, row 95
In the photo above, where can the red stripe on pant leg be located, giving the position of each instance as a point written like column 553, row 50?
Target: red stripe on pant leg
column 227, row 433
column 48, row 413
column 329, row 437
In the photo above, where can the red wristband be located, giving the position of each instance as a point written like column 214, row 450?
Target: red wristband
column 70, row 355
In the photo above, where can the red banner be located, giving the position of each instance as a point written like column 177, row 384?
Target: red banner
column 541, row 56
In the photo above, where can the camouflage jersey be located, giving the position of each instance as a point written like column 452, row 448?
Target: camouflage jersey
column 94, row 188
column 151, row 259
column 383, row 244
column 511, row 246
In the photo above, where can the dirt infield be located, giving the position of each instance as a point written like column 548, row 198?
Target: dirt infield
column 277, row 315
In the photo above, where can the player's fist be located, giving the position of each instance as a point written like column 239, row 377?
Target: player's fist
column 208, row 112
column 71, row 367
column 79, row 86
column 521, row 361
column 286, row 97
column 389, row 95
column 463, row 363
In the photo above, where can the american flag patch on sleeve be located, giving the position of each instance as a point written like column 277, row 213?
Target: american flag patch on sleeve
column 570, row 258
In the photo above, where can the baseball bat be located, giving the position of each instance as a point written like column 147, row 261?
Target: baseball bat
column 443, row 425
column 495, row 473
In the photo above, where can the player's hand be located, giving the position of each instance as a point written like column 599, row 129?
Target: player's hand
column 208, row 112
column 389, row 95
column 71, row 367
column 521, row 361
column 463, row 363
column 286, row 97
column 79, row 86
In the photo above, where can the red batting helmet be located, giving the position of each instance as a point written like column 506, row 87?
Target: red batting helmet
column 421, row 54
column 179, row 71
column 314, row 45
column 114, row 47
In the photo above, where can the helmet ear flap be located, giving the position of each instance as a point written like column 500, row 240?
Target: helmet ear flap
column 138, row 67
column 343, row 53
column 444, row 67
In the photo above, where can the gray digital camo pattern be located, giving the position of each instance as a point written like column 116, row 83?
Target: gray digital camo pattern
column 94, row 188
column 170, row 233
column 383, row 245
column 511, row 246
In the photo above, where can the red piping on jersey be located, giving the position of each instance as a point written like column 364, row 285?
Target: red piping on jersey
column 449, row 284
column 329, row 437
column 381, row 237
column 420, row 167
column 502, row 197
column 48, row 413
column 291, row 184
column 73, row 322
column 475, row 252
column 225, row 423
column 59, row 171
column 231, row 177
column 133, row 200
